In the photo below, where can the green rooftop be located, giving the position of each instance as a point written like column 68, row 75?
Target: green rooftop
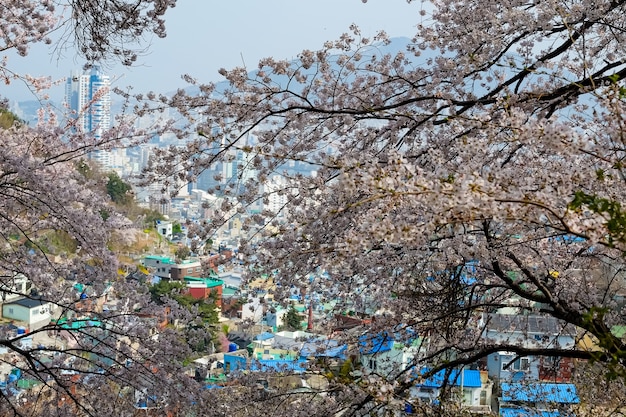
column 27, row 383
column 209, row 282
column 163, row 259
column 229, row 291
column 78, row 324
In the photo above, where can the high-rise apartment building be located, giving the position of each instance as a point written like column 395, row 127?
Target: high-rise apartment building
column 88, row 99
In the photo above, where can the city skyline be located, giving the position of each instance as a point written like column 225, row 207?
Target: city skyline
column 202, row 38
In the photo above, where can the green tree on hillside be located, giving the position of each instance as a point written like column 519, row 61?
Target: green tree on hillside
column 119, row 190
column 200, row 332
column 165, row 288
column 182, row 253
column 8, row 119
column 293, row 320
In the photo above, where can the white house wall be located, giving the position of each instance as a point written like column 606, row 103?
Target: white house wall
column 34, row 318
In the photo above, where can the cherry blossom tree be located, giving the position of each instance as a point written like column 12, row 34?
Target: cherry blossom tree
column 479, row 169
column 56, row 225
column 98, row 30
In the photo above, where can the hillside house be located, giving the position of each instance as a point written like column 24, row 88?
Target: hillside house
column 253, row 309
column 212, row 366
column 203, row 288
column 187, row 268
column 167, row 268
column 286, row 366
column 159, row 266
column 279, row 346
column 389, row 353
column 213, row 261
column 473, row 389
column 535, row 332
column 165, row 228
column 14, row 288
column 33, row 312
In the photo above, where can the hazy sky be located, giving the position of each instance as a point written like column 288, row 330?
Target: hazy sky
column 205, row 35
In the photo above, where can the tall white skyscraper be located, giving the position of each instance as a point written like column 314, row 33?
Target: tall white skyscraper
column 88, row 98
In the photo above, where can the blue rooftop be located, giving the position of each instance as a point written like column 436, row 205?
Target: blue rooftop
column 264, row 336
column 522, row 412
column 469, row 379
column 540, row 392
column 372, row 344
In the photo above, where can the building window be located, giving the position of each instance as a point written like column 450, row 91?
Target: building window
column 10, row 310
column 520, row 364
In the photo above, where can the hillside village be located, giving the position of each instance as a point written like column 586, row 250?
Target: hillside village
column 430, row 225
column 252, row 332
column 302, row 341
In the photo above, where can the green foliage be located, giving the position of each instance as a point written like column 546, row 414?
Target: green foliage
column 182, row 253
column 105, row 214
column 346, row 368
column 205, row 309
column 119, row 190
column 151, row 217
column 199, row 333
column 449, row 179
column 60, row 241
column 293, row 320
column 85, row 169
column 177, row 228
column 8, row 119
column 165, row 288
column 612, row 355
column 611, row 210
column 53, row 242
